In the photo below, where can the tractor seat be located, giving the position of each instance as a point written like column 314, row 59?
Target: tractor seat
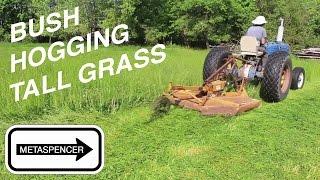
column 249, row 46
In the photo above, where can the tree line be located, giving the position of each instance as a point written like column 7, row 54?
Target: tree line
column 195, row 23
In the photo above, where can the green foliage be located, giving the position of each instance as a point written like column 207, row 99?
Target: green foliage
column 12, row 11
column 212, row 21
column 188, row 22
column 276, row 141
column 301, row 20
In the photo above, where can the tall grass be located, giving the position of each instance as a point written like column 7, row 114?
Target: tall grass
column 128, row 89
column 110, row 93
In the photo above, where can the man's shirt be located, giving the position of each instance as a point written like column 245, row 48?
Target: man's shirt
column 257, row 31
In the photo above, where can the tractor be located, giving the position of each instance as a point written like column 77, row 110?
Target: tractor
column 226, row 75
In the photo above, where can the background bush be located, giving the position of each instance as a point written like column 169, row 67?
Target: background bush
column 185, row 22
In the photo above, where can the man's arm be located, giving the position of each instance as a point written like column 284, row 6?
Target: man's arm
column 264, row 39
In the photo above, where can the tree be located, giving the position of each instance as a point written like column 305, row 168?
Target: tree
column 300, row 20
column 13, row 11
column 188, row 22
column 213, row 21
column 93, row 13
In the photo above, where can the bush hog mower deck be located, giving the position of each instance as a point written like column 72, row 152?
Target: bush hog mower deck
column 226, row 75
column 211, row 98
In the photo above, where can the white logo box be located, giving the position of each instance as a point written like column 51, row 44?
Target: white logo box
column 54, row 149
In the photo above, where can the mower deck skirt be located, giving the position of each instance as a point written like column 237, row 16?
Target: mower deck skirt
column 228, row 105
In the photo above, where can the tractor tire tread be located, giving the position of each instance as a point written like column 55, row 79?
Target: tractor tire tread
column 270, row 87
column 214, row 60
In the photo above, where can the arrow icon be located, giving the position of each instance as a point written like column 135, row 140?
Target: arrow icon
column 80, row 149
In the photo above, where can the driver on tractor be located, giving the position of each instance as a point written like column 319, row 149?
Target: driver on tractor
column 257, row 30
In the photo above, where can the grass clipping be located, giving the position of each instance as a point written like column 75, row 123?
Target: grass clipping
column 161, row 107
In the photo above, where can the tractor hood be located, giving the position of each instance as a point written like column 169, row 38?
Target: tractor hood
column 274, row 47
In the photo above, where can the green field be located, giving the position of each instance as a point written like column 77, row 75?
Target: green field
column 275, row 141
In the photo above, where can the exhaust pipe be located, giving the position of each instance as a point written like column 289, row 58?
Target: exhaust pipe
column 280, row 31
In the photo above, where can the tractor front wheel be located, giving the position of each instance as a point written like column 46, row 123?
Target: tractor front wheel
column 298, row 78
column 277, row 78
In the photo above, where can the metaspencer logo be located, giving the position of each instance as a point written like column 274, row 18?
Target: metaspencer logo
column 54, row 149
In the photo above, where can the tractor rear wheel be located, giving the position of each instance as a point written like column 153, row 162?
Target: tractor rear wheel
column 277, row 78
column 214, row 60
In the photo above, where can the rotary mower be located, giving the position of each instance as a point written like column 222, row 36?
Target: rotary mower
column 226, row 75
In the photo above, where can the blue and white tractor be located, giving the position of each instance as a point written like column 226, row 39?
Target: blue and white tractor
column 269, row 64
column 226, row 75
